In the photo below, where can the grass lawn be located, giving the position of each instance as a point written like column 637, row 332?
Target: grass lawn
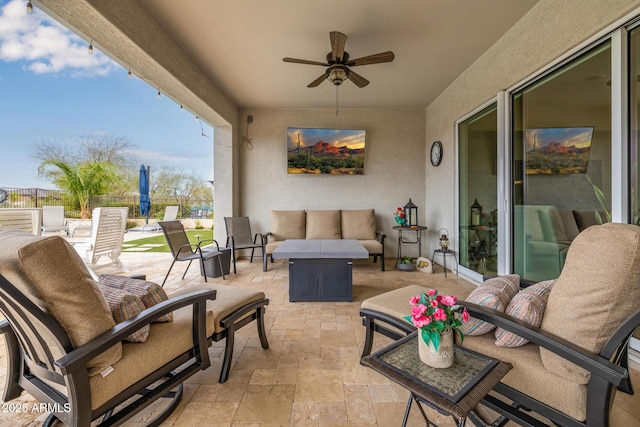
column 159, row 243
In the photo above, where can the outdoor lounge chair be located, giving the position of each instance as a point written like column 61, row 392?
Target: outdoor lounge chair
column 183, row 250
column 170, row 214
column 53, row 220
column 575, row 361
column 107, row 234
column 240, row 237
column 65, row 349
column 27, row 219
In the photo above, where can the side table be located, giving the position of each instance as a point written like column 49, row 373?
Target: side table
column 452, row 391
column 444, row 259
column 404, row 240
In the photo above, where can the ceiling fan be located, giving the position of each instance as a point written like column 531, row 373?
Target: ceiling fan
column 338, row 63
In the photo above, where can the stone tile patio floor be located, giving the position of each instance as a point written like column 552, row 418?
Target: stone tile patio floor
column 310, row 375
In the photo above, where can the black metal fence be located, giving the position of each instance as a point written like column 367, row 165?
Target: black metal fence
column 39, row 197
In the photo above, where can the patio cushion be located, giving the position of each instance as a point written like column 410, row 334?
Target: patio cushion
column 372, row 246
column 123, row 306
column 52, row 275
column 528, row 305
column 529, row 376
column 358, row 224
column 323, row 224
column 288, row 224
column 150, row 293
column 494, row 293
column 588, row 303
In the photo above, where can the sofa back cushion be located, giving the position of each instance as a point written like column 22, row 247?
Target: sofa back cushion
column 323, row 225
column 358, row 224
column 51, row 274
column 288, row 224
column 590, row 300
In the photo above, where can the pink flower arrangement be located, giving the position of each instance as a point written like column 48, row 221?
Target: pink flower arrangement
column 434, row 314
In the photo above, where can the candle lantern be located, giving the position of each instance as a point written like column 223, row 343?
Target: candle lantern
column 444, row 239
column 411, row 213
column 476, row 213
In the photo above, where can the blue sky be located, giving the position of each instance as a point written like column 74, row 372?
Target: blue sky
column 51, row 89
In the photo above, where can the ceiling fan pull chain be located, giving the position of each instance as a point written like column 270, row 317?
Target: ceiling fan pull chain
column 336, row 100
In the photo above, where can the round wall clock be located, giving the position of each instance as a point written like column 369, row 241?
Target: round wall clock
column 436, row 153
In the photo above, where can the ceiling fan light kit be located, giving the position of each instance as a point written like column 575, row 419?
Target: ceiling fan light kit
column 339, row 63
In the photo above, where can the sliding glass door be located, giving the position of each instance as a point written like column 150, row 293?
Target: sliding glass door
column 561, row 161
column 477, row 195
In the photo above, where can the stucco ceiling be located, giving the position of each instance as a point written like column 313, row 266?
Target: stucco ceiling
column 240, row 46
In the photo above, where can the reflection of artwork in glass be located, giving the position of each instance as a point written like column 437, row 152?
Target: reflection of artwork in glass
column 557, row 150
column 325, row 151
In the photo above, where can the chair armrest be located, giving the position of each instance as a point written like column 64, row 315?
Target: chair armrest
column 262, row 238
column 199, row 246
column 265, row 237
column 592, row 362
column 380, row 236
column 77, row 359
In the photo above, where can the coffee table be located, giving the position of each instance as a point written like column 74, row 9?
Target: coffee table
column 320, row 270
column 451, row 391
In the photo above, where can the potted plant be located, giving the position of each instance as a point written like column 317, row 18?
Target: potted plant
column 405, row 263
column 438, row 318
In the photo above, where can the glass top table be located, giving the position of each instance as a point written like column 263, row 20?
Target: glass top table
column 446, row 390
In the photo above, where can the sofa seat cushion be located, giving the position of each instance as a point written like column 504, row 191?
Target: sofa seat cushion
column 358, row 224
column 531, row 378
column 590, row 300
column 288, row 224
column 396, row 303
column 323, row 225
column 52, row 275
column 272, row 246
column 372, row 246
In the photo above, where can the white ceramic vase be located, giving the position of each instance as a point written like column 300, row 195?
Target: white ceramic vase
column 443, row 358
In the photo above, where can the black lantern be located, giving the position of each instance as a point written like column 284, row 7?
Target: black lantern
column 476, row 213
column 411, row 213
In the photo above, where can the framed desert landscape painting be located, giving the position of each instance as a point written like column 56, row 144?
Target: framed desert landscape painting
column 557, row 150
column 325, row 151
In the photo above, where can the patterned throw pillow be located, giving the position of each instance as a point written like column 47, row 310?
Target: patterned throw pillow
column 528, row 306
column 124, row 306
column 494, row 293
column 149, row 292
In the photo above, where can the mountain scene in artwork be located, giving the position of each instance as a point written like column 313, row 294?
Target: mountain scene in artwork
column 325, row 151
column 557, row 150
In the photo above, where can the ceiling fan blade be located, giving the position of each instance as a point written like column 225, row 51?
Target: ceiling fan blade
column 317, row 81
column 304, row 61
column 377, row 58
column 338, row 40
column 357, row 79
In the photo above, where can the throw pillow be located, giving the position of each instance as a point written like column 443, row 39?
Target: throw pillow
column 528, row 305
column 150, row 293
column 494, row 293
column 124, row 306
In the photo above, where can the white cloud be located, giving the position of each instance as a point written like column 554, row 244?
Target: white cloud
column 45, row 46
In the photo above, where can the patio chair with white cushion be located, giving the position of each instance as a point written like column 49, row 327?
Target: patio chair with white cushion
column 53, row 220
column 170, row 214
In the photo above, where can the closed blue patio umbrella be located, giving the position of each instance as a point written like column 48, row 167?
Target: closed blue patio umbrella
column 145, row 201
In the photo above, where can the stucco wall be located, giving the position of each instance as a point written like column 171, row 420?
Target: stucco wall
column 393, row 173
column 548, row 31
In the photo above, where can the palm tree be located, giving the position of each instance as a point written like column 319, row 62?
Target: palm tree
column 83, row 180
